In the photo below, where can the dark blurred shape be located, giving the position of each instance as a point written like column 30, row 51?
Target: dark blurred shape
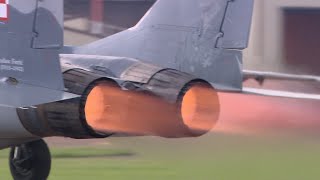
column 302, row 39
column 114, row 16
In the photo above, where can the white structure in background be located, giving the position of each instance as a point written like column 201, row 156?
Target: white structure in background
column 267, row 47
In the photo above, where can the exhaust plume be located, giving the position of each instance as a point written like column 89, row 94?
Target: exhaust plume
column 258, row 115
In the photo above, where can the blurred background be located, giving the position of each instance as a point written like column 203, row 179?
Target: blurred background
column 89, row 20
column 256, row 137
column 284, row 36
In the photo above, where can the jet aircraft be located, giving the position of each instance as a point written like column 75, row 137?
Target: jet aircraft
column 159, row 78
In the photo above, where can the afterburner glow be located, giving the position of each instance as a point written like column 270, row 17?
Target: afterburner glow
column 200, row 108
column 109, row 109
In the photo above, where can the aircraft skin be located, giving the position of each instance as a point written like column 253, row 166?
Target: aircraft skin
column 195, row 37
column 43, row 82
column 190, row 37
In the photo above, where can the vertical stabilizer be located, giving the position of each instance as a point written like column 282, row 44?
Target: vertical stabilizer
column 201, row 37
column 31, row 35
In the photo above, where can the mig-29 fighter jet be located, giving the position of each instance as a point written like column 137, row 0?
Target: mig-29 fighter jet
column 160, row 77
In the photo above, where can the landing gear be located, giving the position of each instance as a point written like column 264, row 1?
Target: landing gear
column 30, row 161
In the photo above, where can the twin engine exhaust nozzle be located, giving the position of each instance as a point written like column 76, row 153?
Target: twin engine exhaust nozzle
column 169, row 104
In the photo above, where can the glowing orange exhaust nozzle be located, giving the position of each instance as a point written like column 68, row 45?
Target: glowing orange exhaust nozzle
column 200, row 108
column 109, row 109
column 104, row 107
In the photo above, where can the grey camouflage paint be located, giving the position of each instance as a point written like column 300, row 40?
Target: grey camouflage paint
column 201, row 37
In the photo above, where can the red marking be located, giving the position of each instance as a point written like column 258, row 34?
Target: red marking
column 97, row 10
column 7, row 9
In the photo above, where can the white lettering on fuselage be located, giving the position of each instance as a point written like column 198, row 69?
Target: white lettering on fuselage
column 11, row 65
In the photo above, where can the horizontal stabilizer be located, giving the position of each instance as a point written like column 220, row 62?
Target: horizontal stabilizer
column 261, row 76
column 283, row 94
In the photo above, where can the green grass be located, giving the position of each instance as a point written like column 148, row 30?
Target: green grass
column 73, row 153
column 210, row 157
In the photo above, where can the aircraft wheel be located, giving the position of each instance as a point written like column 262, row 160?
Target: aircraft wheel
column 30, row 161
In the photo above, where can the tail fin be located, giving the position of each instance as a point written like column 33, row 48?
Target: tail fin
column 31, row 35
column 202, row 37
